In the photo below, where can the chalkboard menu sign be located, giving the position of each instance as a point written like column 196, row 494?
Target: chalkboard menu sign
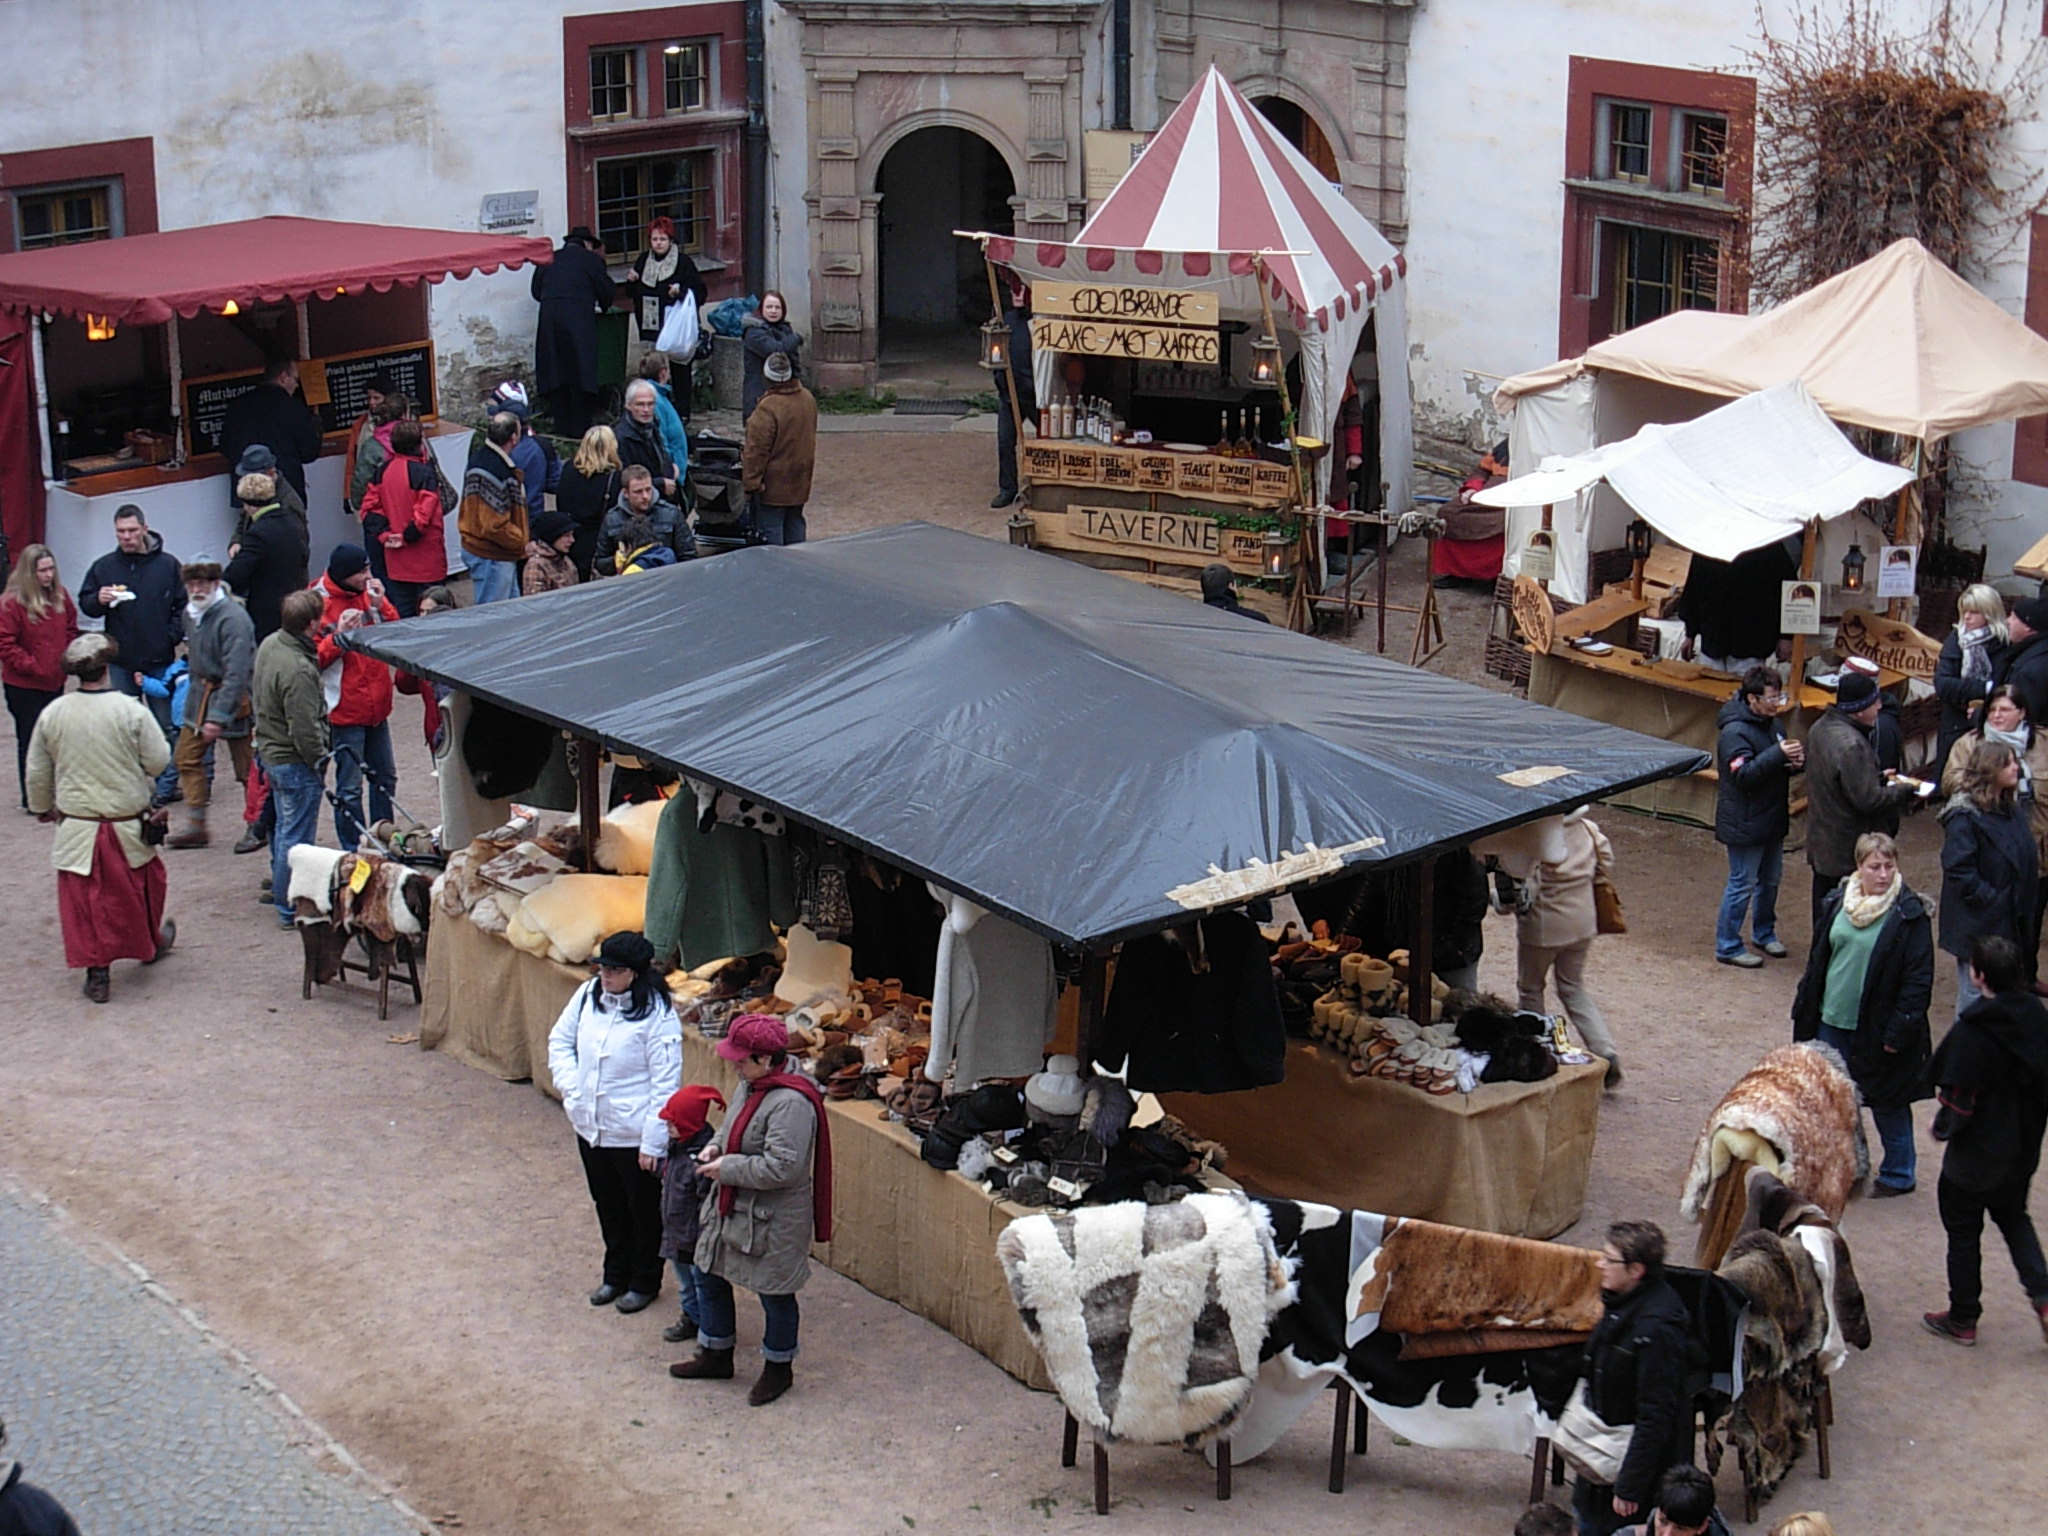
column 333, row 387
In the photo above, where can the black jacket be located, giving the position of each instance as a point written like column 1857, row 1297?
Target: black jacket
column 1731, row 607
column 642, row 445
column 1639, row 1367
column 2025, row 666
column 25, row 1510
column 1989, row 864
column 283, row 423
column 585, row 500
column 1892, row 1037
column 759, row 339
column 147, row 626
column 269, row 566
column 1960, row 698
column 1188, row 1031
column 1751, row 805
column 571, row 289
column 671, row 528
column 1992, row 1073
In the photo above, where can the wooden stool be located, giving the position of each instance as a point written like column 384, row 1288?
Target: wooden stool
column 370, row 969
column 1070, row 1445
column 1359, row 1432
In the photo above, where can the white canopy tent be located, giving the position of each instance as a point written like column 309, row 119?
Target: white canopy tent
column 1218, row 198
column 1738, row 478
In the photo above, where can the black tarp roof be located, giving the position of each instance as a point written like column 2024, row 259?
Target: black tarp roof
column 1063, row 746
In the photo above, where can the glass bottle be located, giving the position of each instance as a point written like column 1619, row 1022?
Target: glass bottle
column 1242, row 448
column 1222, row 448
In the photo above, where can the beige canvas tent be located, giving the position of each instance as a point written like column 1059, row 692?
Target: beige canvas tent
column 1899, row 344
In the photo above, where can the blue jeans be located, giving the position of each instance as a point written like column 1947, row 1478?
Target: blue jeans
column 295, row 791
column 689, row 1289
column 717, row 1329
column 1894, row 1126
column 491, row 581
column 779, row 525
column 1754, row 870
column 357, row 748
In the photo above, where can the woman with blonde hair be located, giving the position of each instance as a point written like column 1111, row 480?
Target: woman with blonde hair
column 1808, row 1522
column 1990, row 869
column 37, row 620
column 1969, row 660
column 588, row 489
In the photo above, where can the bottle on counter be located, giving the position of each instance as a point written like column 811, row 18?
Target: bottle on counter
column 1222, row 447
column 1242, row 448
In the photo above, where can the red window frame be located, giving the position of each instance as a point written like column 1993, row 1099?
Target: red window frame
column 132, row 162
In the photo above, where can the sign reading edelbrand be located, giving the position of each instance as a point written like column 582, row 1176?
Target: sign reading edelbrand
column 1147, row 343
column 1105, row 301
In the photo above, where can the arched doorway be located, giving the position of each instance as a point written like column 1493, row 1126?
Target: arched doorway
column 931, row 291
column 1302, row 131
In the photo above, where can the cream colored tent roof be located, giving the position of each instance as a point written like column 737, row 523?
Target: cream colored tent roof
column 1900, row 344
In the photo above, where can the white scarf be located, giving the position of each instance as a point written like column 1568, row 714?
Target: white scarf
column 195, row 612
column 1976, row 645
column 1864, row 910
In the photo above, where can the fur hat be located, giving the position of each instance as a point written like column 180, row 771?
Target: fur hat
column 200, row 568
column 90, row 655
column 689, row 1107
column 256, row 489
column 1057, row 1090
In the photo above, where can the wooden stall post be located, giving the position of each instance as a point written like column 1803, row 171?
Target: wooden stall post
column 995, row 297
column 589, row 814
column 1421, row 963
column 1297, row 600
column 1798, row 678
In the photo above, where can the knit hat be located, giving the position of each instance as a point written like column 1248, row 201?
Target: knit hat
column 1855, row 693
column 255, row 460
column 511, row 396
column 346, row 561
column 754, row 1034
column 548, row 525
column 2032, row 612
column 627, row 948
column 775, row 368
column 689, row 1107
column 1058, row 1089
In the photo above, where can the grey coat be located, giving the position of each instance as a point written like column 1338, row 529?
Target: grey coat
column 222, row 650
column 1846, row 796
column 765, row 1244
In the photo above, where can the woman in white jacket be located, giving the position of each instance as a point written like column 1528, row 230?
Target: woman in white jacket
column 616, row 1055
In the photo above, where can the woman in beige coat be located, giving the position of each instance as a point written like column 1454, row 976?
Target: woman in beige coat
column 1555, row 928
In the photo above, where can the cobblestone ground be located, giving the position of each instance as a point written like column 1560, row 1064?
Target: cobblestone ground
column 137, row 1421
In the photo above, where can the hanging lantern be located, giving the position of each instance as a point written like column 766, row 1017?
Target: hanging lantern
column 1852, row 569
column 995, row 345
column 1639, row 540
column 1023, row 530
column 231, row 308
column 100, row 328
column 1276, row 552
column 1265, row 361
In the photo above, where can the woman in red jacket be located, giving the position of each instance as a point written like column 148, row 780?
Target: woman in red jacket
column 403, row 511
column 37, row 620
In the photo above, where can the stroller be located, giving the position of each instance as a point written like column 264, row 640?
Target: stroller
column 723, row 521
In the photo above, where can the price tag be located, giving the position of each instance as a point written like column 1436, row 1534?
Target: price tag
column 1006, row 1155
column 361, row 877
column 1066, row 1189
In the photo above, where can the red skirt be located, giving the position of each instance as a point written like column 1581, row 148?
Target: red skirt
column 114, row 913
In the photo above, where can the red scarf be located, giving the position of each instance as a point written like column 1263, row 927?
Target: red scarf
column 821, row 1149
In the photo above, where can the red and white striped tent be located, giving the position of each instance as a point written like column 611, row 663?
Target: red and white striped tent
column 1219, row 195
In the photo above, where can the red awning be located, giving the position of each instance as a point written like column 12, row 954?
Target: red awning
column 144, row 279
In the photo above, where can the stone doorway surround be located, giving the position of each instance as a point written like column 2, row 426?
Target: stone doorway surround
column 877, row 71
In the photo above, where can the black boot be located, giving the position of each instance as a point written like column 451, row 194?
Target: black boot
column 705, row 1365
column 98, row 986
column 774, row 1381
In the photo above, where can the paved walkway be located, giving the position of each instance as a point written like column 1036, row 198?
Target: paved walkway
column 140, row 1423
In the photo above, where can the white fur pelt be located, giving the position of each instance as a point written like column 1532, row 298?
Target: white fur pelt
column 625, row 838
column 1150, row 1317
column 313, row 875
column 569, row 917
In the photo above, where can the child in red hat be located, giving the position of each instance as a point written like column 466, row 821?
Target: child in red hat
column 682, row 1195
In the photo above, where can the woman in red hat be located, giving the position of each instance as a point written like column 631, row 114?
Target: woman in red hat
column 771, row 1171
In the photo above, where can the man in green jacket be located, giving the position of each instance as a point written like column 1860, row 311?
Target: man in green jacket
column 291, row 736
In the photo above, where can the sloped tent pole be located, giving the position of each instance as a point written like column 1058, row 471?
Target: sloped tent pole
column 177, row 363
column 1297, row 598
column 1016, row 405
column 1806, row 551
column 1908, row 527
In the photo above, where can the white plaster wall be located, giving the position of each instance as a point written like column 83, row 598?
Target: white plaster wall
column 1487, row 90
column 789, row 159
column 394, row 111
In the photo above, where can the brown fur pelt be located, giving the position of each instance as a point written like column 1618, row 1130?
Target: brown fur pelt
column 1800, row 1099
column 1782, row 1332
column 1426, row 1278
column 1773, row 1207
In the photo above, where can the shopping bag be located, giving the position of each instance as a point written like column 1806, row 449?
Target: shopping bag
column 1607, row 917
column 678, row 335
column 1592, row 1445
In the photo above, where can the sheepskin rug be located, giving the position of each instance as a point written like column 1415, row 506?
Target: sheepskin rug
column 1150, row 1317
column 1800, row 1100
column 568, row 918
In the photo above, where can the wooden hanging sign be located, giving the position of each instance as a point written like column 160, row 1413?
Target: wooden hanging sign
column 1895, row 647
column 1121, row 302
column 1145, row 343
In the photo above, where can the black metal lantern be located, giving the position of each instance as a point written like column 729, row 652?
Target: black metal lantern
column 1639, row 540
column 1852, row 569
column 1265, row 361
column 995, row 345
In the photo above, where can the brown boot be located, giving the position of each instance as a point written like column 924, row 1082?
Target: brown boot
column 99, row 987
column 705, row 1365
column 188, row 827
column 775, row 1380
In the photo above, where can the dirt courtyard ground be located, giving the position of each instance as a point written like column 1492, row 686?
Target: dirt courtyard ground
column 402, row 1243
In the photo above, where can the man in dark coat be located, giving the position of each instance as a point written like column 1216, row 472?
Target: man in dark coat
column 1752, row 813
column 1219, row 591
column 270, row 562
column 638, row 498
column 639, row 438
column 25, row 1510
column 1014, row 378
column 273, row 416
column 1846, row 794
column 2025, row 663
column 1638, row 1372
column 1992, row 1072
column 571, row 290
column 138, row 592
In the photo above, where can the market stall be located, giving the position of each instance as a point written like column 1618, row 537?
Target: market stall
column 1087, row 772
column 140, row 345
column 1192, row 348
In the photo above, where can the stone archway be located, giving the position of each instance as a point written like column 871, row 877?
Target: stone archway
column 1298, row 125
column 931, row 288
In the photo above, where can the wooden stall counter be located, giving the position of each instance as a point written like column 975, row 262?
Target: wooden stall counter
column 1511, row 1158
column 913, row 1234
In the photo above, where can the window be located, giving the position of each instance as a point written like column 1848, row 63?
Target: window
column 1628, row 142
column 685, row 77
column 47, row 216
column 611, row 84
column 1656, row 271
column 1703, row 154
column 631, row 192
